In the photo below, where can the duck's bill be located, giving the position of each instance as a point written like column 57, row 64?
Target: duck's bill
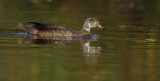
column 100, row 27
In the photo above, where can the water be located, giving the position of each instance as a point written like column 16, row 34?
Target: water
column 127, row 51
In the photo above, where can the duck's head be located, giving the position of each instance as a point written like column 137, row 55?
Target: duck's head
column 92, row 22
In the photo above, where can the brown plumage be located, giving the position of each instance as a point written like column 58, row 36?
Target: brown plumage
column 52, row 30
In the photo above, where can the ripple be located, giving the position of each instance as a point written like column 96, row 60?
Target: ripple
column 17, row 33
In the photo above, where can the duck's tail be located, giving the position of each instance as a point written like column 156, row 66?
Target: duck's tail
column 28, row 28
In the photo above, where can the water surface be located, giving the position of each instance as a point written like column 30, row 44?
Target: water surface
column 127, row 51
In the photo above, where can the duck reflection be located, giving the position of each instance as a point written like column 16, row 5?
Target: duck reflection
column 90, row 53
column 89, row 49
column 84, row 40
column 51, row 41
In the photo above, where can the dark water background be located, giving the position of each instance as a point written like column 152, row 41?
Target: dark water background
column 129, row 50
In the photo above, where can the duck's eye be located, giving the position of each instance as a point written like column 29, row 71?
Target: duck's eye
column 92, row 20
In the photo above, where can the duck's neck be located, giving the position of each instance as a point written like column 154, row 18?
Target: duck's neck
column 86, row 27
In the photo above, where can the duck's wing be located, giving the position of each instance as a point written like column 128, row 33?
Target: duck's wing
column 42, row 26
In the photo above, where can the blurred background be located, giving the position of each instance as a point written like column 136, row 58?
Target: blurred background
column 127, row 51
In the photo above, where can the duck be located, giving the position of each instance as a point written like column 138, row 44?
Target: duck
column 54, row 30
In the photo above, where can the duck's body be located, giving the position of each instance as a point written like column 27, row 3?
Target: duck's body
column 52, row 30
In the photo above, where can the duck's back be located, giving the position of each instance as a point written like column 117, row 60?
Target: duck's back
column 49, row 30
column 42, row 26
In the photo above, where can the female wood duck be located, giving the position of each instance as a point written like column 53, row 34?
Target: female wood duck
column 52, row 30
